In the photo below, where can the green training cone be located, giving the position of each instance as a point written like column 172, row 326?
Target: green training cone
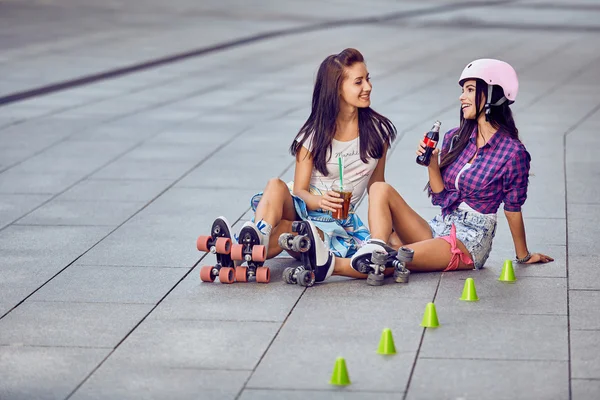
column 469, row 293
column 508, row 273
column 430, row 319
column 386, row 343
column 340, row 377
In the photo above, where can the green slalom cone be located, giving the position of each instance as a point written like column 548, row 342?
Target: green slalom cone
column 508, row 273
column 430, row 319
column 469, row 293
column 340, row 377
column 386, row 343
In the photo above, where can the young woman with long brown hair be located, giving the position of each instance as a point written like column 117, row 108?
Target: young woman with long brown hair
column 483, row 164
column 341, row 125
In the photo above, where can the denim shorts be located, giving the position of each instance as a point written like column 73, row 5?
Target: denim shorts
column 475, row 230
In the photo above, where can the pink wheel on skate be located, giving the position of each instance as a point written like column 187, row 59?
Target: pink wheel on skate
column 223, row 245
column 263, row 275
column 241, row 274
column 202, row 243
column 237, row 252
column 226, row 275
column 259, row 253
column 206, row 274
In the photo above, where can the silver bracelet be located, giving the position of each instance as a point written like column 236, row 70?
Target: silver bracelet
column 524, row 259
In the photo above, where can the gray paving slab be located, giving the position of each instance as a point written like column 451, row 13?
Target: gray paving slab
column 193, row 299
column 132, row 380
column 556, row 269
column 337, row 393
column 49, row 163
column 313, row 372
column 35, row 131
column 584, row 272
column 542, row 232
column 452, row 379
column 115, row 190
column 91, row 212
column 210, row 345
column 579, row 189
column 236, row 171
column 34, row 137
column 585, row 361
column 182, row 215
column 528, row 295
column 44, row 372
column 198, row 132
column 38, row 182
column 168, row 152
column 31, row 255
column 131, row 127
column 466, row 332
column 343, row 337
column 582, row 304
column 78, row 147
column 110, row 284
column 65, row 324
column 14, row 206
column 127, row 169
column 583, row 227
column 584, row 388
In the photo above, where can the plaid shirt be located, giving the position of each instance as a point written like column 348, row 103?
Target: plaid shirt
column 498, row 174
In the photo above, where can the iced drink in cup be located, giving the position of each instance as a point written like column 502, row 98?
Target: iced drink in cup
column 346, row 195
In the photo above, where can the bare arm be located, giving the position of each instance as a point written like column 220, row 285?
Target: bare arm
column 304, row 166
column 435, row 176
column 379, row 172
column 517, row 230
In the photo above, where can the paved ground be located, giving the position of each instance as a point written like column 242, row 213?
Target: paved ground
column 105, row 186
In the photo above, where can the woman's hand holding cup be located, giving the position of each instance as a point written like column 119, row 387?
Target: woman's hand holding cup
column 331, row 201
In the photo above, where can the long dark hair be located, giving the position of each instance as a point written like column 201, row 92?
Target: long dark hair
column 375, row 130
column 500, row 117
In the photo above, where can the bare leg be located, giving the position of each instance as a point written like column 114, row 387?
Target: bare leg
column 276, row 207
column 394, row 241
column 342, row 267
column 387, row 210
column 276, row 204
column 434, row 255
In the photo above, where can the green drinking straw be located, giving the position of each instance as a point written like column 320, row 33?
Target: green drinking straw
column 341, row 174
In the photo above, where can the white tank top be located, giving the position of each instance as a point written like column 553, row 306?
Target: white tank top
column 355, row 171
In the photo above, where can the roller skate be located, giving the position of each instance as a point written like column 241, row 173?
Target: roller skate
column 253, row 253
column 219, row 243
column 317, row 261
column 375, row 256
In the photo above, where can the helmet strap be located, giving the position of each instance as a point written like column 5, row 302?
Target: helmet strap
column 487, row 102
column 500, row 101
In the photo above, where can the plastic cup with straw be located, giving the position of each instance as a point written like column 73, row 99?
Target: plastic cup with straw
column 341, row 167
column 345, row 191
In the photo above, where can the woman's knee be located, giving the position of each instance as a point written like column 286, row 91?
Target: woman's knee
column 274, row 186
column 380, row 190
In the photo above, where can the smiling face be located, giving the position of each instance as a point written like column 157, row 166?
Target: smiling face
column 356, row 87
column 467, row 100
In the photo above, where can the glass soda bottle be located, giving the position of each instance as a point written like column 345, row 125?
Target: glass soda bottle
column 430, row 140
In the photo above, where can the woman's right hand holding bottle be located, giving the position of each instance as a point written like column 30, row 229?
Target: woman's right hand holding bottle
column 433, row 163
column 331, row 201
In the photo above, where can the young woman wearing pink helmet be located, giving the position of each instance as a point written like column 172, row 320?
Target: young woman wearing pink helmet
column 483, row 163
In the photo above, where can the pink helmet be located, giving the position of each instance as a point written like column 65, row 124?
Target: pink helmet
column 493, row 72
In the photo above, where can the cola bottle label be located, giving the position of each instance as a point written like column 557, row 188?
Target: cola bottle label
column 430, row 143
